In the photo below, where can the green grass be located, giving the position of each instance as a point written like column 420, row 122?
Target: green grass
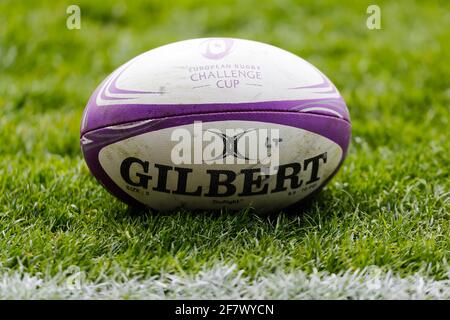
column 389, row 205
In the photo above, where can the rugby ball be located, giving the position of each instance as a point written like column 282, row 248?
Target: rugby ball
column 215, row 123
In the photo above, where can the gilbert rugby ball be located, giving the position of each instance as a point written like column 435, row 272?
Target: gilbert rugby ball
column 215, row 123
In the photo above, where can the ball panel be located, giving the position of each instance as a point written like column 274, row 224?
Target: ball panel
column 102, row 147
column 211, row 75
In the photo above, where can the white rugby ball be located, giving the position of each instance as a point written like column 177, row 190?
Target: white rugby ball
column 215, row 123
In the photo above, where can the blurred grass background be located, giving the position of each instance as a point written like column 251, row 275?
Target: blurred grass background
column 389, row 205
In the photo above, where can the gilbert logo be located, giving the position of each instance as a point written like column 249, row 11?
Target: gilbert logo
column 230, row 146
column 216, row 48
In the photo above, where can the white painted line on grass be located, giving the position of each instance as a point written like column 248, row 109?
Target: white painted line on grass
column 224, row 282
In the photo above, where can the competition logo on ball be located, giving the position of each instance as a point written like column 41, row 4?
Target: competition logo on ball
column 216, row 48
